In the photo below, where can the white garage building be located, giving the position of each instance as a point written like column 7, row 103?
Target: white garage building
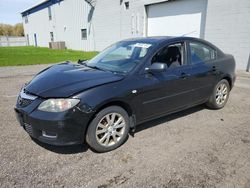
column 92, row 25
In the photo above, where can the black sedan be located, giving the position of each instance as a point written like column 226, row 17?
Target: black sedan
column 130, row 82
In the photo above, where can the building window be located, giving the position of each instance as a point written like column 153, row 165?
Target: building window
column 84, row 33
column 50, row 14
column 126, row 4
column 51, row 36
column 26, row 20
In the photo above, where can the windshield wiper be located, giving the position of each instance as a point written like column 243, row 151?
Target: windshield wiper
column 106, row 70
column 119, row 72
column 95, row 67
column 82, row 61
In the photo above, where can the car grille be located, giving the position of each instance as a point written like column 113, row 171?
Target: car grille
column 24, row 99
column 28, row 128
column 22, row 102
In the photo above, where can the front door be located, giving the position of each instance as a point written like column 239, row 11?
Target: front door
column 170, row 90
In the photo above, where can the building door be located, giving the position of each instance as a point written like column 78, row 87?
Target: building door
column 35, row 38
column 28, row 40
column 51, row 36
column 177, row 18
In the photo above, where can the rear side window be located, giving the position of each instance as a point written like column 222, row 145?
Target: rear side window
column 201, row 53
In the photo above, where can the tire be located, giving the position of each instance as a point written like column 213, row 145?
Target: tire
column 108, row 130
column 220, row 95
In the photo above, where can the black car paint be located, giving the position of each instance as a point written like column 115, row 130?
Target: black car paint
column 67, row 79
column 143, row 95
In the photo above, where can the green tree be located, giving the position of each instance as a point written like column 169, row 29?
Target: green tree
column 18, row 30
column 9, row 30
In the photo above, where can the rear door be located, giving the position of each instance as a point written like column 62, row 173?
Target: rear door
column 202, row 58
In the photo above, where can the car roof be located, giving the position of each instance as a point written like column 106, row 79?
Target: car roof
column 160, row 39
column 164, row 39
column 155, row 39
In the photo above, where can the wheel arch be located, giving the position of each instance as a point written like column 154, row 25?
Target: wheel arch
column 118, row 103
column 228, row 78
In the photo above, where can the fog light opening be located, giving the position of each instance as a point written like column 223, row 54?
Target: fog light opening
column 48, row 134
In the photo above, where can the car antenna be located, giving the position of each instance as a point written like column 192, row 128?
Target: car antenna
column 188, row 33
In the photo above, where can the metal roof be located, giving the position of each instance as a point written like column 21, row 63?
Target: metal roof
column 39, row 6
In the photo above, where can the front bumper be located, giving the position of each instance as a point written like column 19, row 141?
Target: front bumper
column 64, row 128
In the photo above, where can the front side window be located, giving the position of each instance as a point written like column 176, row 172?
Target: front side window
column 121, row 57
column 172, row 55
column 201, row 53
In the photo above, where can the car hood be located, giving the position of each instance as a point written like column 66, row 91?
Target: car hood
column 67, row 79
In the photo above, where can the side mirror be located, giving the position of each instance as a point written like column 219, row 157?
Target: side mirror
column 157, row 67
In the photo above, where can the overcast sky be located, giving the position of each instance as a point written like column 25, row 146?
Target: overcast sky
column 10, row 10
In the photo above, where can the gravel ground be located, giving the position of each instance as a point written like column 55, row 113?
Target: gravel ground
column 194, row 148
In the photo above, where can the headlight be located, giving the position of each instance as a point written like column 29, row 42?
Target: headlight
column 58, row 105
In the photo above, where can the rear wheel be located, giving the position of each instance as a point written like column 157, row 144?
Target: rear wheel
column 108, row 130
column 220, row 95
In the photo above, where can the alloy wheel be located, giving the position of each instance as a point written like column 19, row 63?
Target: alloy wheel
column 110, row 129
column 221, row 94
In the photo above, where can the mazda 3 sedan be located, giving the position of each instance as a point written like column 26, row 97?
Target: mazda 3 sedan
column 133, row 81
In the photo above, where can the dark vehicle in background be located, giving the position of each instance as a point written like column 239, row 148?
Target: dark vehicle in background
column 130, row 82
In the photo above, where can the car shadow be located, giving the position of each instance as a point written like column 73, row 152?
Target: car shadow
column 73, row 149
column 81, row 148
column 167, row 118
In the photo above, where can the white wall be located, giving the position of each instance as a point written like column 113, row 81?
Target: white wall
column 177, row 18
column 112, row 22
column 68, row 18
column 38, row 23
column 228, row 27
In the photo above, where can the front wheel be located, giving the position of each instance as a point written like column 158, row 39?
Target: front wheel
column 220, row 95
column 108, row 130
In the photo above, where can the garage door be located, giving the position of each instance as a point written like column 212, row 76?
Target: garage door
column 177, row 18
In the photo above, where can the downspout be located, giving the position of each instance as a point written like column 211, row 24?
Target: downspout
column 90, row 20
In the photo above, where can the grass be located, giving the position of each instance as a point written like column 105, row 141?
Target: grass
column 29, row 55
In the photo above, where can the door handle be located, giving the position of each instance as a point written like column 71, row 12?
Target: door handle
column 184, row 75
column 214, row 68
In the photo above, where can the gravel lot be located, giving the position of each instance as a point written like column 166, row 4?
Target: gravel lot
column 194, row 148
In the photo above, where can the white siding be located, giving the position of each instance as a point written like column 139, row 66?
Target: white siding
column 177, row 18
column 68, row 18
column 38, row 23
column 228, row 27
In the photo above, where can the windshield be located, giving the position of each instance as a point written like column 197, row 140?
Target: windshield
column 121, row 57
